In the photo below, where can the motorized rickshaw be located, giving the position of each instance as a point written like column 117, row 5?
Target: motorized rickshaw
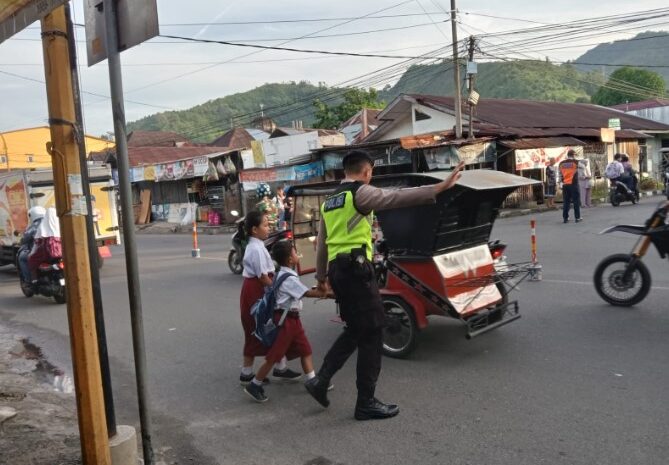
column 432, row 259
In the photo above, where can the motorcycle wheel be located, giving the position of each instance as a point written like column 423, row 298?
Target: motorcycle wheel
column 27, row 289
column 611, row 287
column 613, row 198
column 60, row 297
column 235, row 262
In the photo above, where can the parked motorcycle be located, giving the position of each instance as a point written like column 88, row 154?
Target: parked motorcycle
column 619, row 192
column 623, row 279
column 240, row 239
column 50, row 282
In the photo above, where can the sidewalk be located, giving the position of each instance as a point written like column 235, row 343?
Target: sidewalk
column 38, row 419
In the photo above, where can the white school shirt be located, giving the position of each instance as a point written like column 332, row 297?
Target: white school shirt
column 290, row 293
column 257, row 260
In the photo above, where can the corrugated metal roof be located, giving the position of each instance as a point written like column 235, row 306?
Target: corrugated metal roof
column 541, row 142
column 156, row 139
column 643, row 105
column 538, row 114
column 152, row 155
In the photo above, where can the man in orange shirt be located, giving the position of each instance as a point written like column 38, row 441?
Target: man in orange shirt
column 568, row 176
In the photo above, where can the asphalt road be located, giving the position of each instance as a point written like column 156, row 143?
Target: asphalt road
column 574, row 381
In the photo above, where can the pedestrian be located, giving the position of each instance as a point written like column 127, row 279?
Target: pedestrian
column 585, row 182
column 568, row 174
column 551, row 183
column 344, row 254
column 258, row 272
column 291, row 341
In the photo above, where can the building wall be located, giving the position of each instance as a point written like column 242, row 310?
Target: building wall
column 438, row 121
column 26, row 148
column 660, row 114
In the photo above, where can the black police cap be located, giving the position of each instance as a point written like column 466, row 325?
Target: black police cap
column 356, row 156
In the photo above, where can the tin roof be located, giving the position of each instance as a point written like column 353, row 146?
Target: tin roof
column 642, row 105
column 541, row 142
column 156, row 139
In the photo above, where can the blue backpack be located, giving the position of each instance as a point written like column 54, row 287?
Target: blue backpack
column 263, row 313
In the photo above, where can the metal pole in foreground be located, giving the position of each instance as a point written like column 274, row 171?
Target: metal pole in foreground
column 132, row 270
column 93, row 256
column 534, row 268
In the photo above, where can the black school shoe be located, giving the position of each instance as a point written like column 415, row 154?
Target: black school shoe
column 318, row 388
column 246, row 379
column 373, row 409
column 256, row 392
column 287, row 374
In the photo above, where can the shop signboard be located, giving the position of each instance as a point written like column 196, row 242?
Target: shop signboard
column 16, row 15
column 200, row 165
column 529, row 159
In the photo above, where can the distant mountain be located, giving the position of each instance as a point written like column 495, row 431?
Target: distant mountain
column 535, row 80
column 648, row 50
column 206, row 122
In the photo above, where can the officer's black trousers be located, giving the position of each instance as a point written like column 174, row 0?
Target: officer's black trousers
column 361, row 309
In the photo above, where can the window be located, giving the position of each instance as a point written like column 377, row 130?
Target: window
column 420, row 116
column 3, row 159
column 29, row 158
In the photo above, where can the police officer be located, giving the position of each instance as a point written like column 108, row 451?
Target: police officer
column 344, row 256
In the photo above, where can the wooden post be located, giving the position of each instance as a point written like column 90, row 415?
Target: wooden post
column 72, row 213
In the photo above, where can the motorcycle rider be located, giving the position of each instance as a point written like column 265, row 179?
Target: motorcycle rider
column 628, row 177
column 615, row 171
column 35, row 215
column 47, row 242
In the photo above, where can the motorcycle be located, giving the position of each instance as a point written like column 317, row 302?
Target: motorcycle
column 619, row 192
column 666, row 182
column 240, row 239
column 623, row 279
column 50, row 282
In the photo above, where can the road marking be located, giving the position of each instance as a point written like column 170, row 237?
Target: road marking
column 582, row 283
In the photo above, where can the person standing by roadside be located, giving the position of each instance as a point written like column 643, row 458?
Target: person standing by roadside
column 568, row 177
column 344, row 251
column 585, row 182
column 551, row 183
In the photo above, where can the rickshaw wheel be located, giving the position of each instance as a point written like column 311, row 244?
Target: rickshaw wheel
column 496, row 315
column 399, row 334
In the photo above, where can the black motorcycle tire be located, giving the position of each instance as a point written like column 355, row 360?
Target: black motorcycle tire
column 60, row 297
column 234, row 263
column 613, row 198
column 644, row 275
column 27, row 289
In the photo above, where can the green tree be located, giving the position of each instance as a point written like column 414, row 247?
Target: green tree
column 331, row 116
column 647, row 84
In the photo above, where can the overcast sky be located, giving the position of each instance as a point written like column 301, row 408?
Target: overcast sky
column 23, row 102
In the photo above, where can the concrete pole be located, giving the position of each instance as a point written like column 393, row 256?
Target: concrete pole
column 456, row 74
column 72, row 213
column 130, row 245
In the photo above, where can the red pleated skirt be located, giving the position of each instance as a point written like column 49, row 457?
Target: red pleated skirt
column 252, row 290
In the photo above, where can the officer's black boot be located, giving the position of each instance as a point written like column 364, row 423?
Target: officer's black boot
column 318, row 388
column 373, row 409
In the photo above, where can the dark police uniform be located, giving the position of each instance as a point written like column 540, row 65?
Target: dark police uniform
column 345, row 250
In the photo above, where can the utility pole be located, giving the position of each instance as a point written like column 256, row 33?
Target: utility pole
column 93, row 253
column 457, row 102
column 472, row 79
column 130, row 245
column 72, row 212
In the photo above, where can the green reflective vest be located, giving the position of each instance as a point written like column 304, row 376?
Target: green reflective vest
column 347, row 228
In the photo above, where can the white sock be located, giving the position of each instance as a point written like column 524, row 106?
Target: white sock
column 310, row 375
column 281, row 366
column 247, row 370
column 256, row 382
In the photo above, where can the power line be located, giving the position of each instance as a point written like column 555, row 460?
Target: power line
column 260, row 51
column 289, row 49
column 39, row 81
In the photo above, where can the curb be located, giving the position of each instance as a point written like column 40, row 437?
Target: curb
column 510, row 213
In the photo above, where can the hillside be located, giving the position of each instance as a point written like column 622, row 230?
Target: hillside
column 516, row 79
column 647, row 48
column 206, row 122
